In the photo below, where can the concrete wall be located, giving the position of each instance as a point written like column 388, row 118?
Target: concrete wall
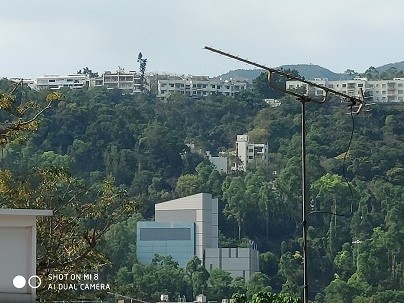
column 239, row 262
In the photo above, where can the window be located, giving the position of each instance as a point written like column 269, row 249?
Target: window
column 360, row 85
column 344, row 85
column 165, row 234
column 51, row 80
column 400, row 91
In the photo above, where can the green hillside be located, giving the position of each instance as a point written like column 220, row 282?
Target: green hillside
column 101, row 160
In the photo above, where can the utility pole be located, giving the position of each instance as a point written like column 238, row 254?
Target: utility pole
column 304, row 201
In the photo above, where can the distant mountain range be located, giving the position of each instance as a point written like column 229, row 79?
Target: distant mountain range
column 308, row 71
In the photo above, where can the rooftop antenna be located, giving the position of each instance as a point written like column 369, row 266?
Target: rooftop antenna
column 351, row 101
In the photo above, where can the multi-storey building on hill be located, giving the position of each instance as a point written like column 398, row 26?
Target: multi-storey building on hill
column 378, row 90
column 198, row 86
column 129, row 82
column 249, row 153
column 55, row 82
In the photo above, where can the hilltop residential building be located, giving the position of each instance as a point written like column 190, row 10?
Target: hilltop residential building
column 198, row 86
column 188, row 227
column 379, row 90
column 249, row 153
column 129, row 82
column 56, row 82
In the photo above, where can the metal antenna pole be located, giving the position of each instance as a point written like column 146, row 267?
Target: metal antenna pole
column 304, row 200
column 351, row 101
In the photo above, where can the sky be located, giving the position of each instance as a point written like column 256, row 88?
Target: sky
column 42, row 37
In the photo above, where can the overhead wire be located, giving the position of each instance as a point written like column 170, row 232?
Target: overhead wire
column 343, row 175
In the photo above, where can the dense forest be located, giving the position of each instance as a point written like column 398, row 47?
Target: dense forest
column 105, row 158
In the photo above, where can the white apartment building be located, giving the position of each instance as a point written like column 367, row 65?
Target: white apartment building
column 379, row 90
column 56, row 82
column 129, row 82
column 248, row 153
column 198, row 86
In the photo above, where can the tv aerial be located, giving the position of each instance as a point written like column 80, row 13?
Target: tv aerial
column 354, row 102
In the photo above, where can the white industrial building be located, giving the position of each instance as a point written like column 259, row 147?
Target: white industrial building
column 249, row 153
column 188, row 227
column 378, row 90
column 198, row 86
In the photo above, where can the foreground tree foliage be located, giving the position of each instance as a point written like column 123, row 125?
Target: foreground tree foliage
column 67, row 241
